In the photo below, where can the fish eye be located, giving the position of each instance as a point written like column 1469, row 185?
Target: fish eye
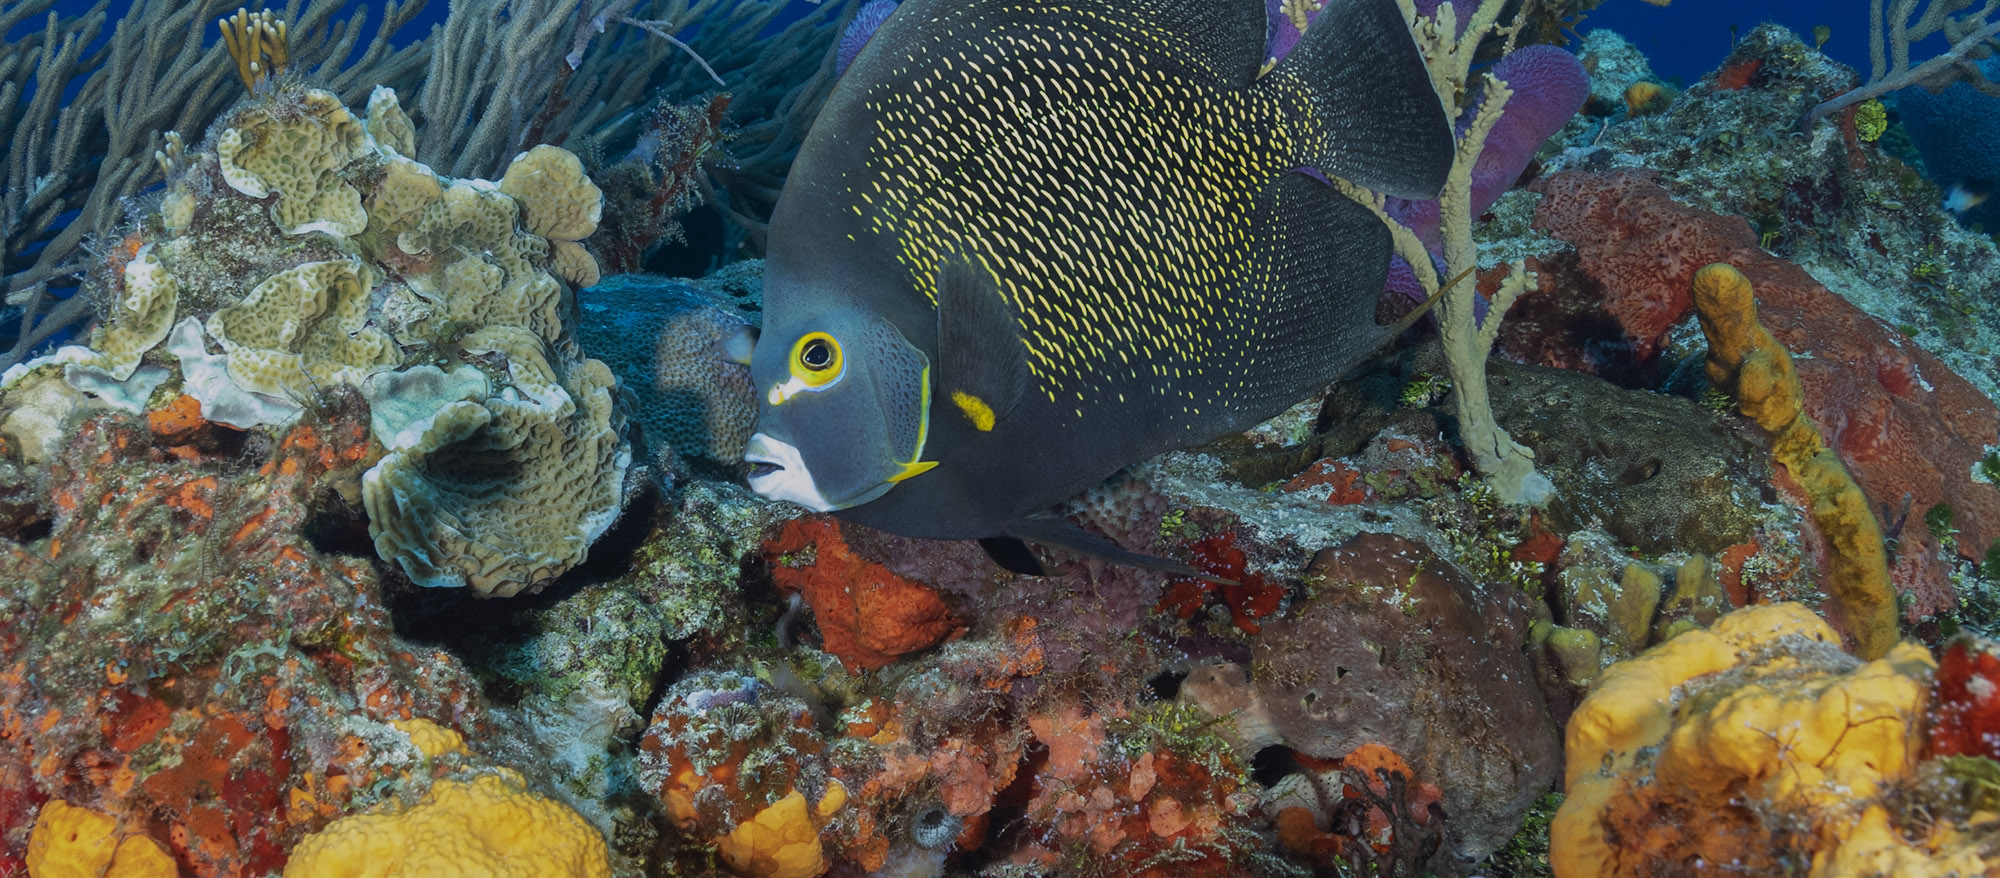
column 816, row 359
column 817, row 356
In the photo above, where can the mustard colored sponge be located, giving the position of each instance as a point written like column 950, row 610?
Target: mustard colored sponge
column 782, row 841
column 72, row 842
column 1695, row 749
column 1744, row 358
column 490, row 827
column 432, row 739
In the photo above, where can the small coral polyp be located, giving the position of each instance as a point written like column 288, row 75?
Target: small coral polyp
column 303, row 250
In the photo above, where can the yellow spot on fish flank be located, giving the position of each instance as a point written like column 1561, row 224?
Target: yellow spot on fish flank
column 975, row 409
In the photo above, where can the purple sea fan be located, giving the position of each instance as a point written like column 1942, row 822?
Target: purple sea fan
column 859, row 30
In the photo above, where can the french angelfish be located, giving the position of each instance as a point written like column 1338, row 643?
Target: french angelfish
column 1028, row 243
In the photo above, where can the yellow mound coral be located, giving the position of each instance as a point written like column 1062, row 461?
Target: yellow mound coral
column 491, row 826
column 1745, row 358
column 782, row 841
column 72, row 842
column 558, row 202
column 388, row 124
column 513, row 486
column 1698, row 747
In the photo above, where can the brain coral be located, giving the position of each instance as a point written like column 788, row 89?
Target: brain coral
column 301, row 250
column 668, row 342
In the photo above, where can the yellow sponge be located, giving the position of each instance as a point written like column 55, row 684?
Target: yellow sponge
column 432, row 739
column 491, row 827
column 1745, row 358
column 1757, row 722
column 782, row 841
column 72, row 842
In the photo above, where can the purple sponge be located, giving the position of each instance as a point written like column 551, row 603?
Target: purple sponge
column 1549, row 87
column 859, row 30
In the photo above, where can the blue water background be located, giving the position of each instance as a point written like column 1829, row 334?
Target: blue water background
column 1684, row 40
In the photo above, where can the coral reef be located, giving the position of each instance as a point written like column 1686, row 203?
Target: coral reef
column 231, row 717
column 1902, row 422
column 434, row 297
column 325, row 374
column 1377, row 658
column 69, row 77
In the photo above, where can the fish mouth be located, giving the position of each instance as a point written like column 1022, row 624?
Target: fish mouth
column 775, row 470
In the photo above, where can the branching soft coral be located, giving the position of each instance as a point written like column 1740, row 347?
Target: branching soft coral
column 1972, row 36
column 1502, row 119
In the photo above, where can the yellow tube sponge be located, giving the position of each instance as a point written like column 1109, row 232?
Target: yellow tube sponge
column 72, row 842
column 491, row 827
column 1697, row 748
column 1744, row 358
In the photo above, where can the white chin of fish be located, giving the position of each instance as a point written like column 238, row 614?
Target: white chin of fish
column 790, row 480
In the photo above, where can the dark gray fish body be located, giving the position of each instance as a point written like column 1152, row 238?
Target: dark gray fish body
column 1042, row 241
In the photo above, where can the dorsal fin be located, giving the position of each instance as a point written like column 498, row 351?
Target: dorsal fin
column 1227, row 36
column 982, row 365
column 1324, row 258
column 1376, row 120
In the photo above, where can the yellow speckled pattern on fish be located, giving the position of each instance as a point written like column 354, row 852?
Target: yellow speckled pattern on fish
column 1152, row 287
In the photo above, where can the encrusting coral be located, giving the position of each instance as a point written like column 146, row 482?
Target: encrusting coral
column 439, row 299
column 1744, row 358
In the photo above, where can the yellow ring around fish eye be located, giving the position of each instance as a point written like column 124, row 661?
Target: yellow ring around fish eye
column 816, row 359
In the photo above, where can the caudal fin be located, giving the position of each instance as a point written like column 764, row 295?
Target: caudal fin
column 1372, row 116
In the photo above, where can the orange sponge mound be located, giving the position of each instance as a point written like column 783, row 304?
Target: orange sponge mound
column 491, row 826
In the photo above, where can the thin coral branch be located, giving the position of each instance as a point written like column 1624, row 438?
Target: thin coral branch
column 1890, row 36
column 656, row 29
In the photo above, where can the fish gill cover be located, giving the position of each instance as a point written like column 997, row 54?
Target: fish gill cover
column 365, row 507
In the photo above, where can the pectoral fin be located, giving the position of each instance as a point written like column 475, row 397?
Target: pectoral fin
column 1013, row 555
column 983, row 366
